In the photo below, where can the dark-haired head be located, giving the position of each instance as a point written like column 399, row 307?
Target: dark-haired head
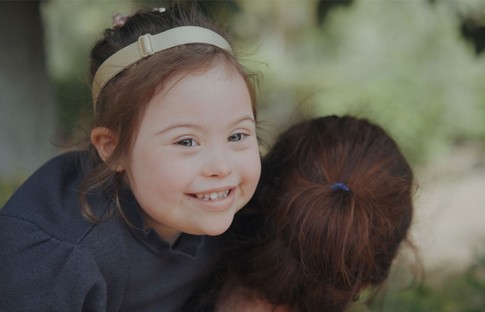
column 121, row 102
column 336, row 197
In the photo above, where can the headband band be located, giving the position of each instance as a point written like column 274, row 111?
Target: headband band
column 149, row 44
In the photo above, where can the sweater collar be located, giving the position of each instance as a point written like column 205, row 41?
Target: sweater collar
column 187, row 244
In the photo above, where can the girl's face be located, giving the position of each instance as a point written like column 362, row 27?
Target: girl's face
column 195, row 161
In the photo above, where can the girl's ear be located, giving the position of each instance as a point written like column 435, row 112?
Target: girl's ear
column 105, row 141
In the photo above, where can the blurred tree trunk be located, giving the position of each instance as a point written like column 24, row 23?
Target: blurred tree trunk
column 27, row 109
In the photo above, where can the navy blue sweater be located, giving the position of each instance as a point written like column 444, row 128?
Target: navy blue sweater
column 52, row 259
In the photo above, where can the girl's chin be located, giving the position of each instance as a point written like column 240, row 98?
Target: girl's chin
column 216, row 233
column 217, row 229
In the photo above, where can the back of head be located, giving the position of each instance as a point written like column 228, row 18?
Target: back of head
column 336, row 194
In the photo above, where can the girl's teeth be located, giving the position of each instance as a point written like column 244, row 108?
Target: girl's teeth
column 213, row 196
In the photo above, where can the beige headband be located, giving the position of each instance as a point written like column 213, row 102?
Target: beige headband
column 150, row 44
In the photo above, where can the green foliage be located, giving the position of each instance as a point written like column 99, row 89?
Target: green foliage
column 423, row 88
column 74, row 101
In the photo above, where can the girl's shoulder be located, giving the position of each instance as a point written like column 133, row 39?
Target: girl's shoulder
column 49, row 199
column 47, row 247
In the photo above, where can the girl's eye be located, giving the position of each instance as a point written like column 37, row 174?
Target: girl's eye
column 187, row 142
column 236, row 137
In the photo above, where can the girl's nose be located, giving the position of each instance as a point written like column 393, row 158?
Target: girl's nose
column 217, row 164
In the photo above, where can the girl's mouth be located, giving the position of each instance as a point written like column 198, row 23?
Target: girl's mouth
column 212, row 195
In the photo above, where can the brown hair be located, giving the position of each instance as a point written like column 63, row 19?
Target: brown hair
column 122, row 102
column 319, row 243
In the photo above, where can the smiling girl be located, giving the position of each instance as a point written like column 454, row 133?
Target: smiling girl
column 131, row 224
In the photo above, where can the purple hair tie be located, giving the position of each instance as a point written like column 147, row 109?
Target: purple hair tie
column 339, row 186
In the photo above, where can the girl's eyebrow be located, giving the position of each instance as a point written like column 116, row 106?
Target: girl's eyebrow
column 177, row 125
column 196, row 126
column 244, row 118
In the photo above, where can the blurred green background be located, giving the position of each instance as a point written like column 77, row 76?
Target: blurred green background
column 416, row 67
